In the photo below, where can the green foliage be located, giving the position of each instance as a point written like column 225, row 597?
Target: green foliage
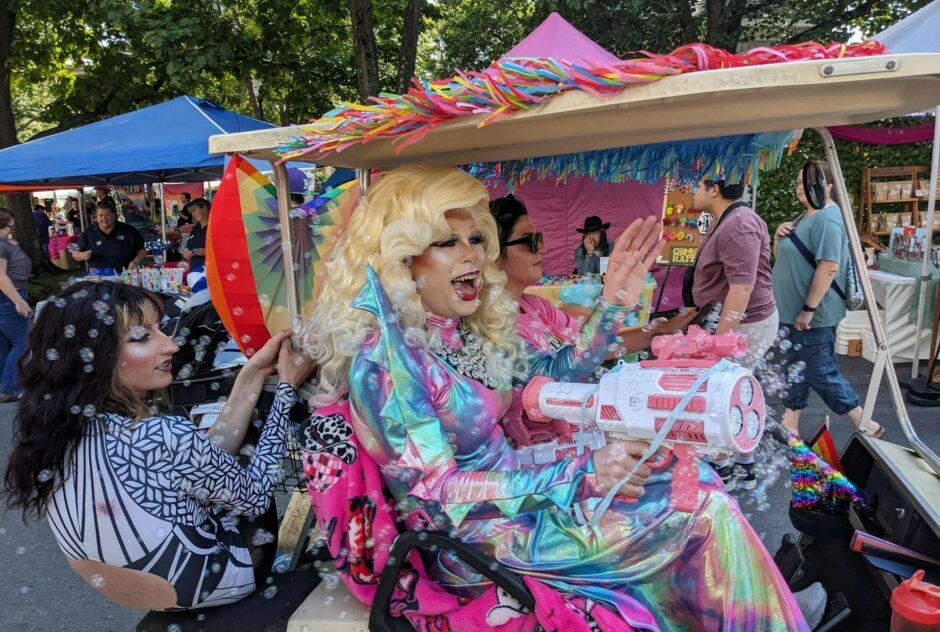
column 470, row 35
column 776, row 197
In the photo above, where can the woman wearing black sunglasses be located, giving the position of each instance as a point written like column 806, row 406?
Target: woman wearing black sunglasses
column 543, row 326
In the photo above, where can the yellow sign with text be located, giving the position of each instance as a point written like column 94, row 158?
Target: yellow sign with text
column 682, row 255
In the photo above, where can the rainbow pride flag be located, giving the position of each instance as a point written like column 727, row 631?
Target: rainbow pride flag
column 822, row 444
column 135, row 194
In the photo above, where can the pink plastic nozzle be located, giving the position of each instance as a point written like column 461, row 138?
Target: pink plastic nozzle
column 530, row 398
column 698, row 344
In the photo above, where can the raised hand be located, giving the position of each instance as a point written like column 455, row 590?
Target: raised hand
column 633, row 255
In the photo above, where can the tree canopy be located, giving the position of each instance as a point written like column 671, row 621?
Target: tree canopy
column 76, row 61
column 65, row 63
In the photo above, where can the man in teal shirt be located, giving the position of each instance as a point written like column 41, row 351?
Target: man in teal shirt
column 811, row 309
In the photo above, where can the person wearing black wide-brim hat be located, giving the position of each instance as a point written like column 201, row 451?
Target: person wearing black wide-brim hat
column 587, row 256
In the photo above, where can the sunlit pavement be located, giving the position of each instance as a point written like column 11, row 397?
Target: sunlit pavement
column 42, row 593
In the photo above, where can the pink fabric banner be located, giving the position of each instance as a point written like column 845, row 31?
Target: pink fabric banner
column 558, row 209
column 883, row 135
column 173, row 193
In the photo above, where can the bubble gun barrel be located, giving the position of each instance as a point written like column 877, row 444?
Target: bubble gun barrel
column 706, row 404
column 698, row 344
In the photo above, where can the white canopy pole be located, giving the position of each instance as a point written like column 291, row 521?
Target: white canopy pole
column 81, row 208
column 925, row 268
column 282, row 185
column 162, row 214
column 883, row 364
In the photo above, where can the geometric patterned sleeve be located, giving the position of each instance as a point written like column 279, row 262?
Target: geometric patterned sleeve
column 204, row 471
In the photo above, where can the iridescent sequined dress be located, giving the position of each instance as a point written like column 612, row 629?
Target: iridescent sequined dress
column 435, row 435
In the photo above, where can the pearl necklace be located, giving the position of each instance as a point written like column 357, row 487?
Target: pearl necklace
column 469, row 360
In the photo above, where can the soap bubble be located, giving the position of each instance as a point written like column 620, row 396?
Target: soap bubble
column 69, row 331
column 52, row 355
column 45, row 476
column 86, row 354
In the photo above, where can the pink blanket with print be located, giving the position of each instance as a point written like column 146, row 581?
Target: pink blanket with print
column 358, row 520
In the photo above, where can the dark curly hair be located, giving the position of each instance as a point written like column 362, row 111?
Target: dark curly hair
column 69, row 375
column 506, row 211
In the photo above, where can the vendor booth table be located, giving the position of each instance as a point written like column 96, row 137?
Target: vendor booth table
column 896, row 288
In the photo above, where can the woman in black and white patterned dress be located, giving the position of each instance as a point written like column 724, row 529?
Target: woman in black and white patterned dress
column 127, row 487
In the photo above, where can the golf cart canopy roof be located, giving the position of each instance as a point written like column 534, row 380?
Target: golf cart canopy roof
column 703, row 104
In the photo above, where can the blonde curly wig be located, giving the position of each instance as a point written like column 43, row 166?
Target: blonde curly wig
column 398, row 219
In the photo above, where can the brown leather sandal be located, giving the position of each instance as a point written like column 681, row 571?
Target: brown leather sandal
column 874, row 435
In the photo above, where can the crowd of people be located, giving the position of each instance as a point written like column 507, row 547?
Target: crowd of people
column 423, row 329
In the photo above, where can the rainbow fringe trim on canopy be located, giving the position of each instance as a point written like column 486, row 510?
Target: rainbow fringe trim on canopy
column 512, row 84
column 817, row 486
column 730, row 158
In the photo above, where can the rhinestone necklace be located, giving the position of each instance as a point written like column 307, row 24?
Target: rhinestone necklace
column 469, row 360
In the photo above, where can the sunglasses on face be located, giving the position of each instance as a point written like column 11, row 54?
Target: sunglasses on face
column 532, row 240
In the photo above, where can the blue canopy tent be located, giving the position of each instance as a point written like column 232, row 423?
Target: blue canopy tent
column 168, row 142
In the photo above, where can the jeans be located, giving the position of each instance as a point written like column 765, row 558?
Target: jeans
column 817, row 349
column 13, row 329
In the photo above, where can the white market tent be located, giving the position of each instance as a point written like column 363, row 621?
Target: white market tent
column 707, row 104
column 920, row 33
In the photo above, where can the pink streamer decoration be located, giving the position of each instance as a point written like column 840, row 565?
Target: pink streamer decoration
column 884, row 135
column 512, row 84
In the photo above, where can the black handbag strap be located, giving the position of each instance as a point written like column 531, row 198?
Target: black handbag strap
column 811, row 260
column 731, row 208
column 688, row 280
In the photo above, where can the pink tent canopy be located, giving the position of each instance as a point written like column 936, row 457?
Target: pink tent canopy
column 556, row 208
column 556, row 37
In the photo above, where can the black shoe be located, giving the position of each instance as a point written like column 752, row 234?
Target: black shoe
column 744, row 475
column 726, row 472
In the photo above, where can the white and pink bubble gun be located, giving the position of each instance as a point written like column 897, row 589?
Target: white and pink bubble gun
column 692, row 399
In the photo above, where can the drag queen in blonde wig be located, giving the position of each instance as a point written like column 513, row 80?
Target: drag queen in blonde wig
column 398, row 219
column 415, row 327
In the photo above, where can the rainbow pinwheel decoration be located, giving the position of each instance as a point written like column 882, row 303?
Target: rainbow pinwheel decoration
column 327, row 216
column 244, row 258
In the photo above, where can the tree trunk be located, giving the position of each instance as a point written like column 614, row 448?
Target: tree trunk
column 256, row 109
column 723, row 22
column 367, row 58
column 409, row 44
column 24, row 229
